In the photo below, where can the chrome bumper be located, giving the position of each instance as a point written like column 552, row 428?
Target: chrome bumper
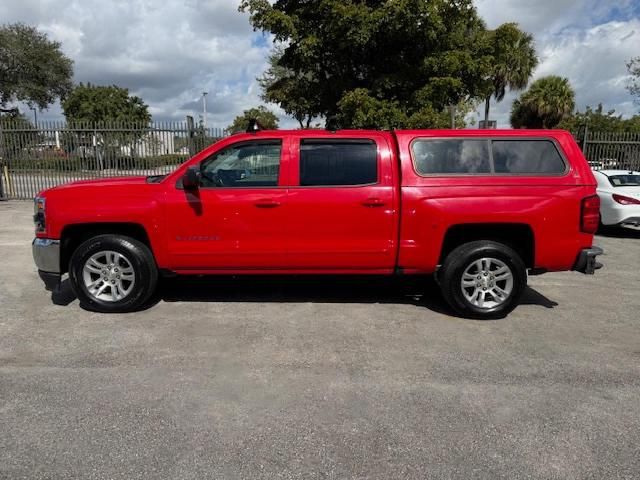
column 46, row 254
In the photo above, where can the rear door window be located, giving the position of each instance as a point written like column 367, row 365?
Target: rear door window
column 527, row 157
column 451, row 156
column 338, row 162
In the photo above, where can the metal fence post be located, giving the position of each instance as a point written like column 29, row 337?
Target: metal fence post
column 191, row 132
column 3, row 195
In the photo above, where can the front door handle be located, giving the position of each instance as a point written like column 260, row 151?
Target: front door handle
column 267, row 203
column 373, row 203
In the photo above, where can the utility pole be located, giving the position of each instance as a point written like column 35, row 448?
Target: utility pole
column 204, row 110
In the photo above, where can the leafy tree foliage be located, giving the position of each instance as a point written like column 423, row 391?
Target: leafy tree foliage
column 267, row 119
column 600, row 121
column 514, row 60
column 14, row 145
column 408, row 60
column 634, row 83
column 33, row 69
column 292, row 91
column 358, row 109
column 547, row 102
column 96, row 104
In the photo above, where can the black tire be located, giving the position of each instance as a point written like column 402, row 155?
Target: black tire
column 462, row 258
column 137, row 254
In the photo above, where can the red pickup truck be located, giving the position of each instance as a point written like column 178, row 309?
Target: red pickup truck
column 479, row 209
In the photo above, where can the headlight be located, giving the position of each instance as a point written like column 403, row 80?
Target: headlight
column 39, row 215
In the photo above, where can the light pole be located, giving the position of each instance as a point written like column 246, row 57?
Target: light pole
column 35, row 116
column 204, row 109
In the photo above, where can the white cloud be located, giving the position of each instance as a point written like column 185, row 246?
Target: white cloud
column 166, row 52
column 169, row 51
column 587, row 41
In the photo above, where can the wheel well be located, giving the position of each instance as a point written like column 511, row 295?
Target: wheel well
column 515, row 235
column 73, row 235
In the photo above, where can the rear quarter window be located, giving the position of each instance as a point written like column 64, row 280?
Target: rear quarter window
column 486, row 156
column 527, row 156
column 451, row 156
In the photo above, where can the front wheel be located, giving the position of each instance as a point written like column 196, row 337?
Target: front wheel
column 113, row 274
column 483, row 279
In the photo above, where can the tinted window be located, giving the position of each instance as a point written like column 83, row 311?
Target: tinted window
column 629, row 180
column 526, row 156
column 243, row 165
column 338, row 162
column 451, row 156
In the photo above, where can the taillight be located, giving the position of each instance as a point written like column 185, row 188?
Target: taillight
column 590, row 216
column 622, row 200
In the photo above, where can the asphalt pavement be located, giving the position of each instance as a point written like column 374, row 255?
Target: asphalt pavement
column 319, row 378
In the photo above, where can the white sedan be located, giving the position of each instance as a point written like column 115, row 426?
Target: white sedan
column 619, row 192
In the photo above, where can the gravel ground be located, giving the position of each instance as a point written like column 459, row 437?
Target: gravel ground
column 319, row 378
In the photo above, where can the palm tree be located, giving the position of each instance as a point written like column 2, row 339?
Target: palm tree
column 514, row 58
column 547, row 102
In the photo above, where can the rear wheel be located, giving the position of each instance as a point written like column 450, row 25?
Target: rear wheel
column 483, row 279
column 113, row 274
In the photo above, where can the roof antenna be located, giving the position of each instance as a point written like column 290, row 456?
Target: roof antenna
column 254, row 126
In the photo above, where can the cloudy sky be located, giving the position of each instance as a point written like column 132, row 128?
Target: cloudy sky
column 169, row 51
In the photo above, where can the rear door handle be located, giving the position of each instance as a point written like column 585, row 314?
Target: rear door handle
column 373, row 203
column 267, row 203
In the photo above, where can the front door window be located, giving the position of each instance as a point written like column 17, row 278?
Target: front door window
column 249, row 165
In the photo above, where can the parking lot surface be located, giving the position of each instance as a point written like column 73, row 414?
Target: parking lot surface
column 326, row 378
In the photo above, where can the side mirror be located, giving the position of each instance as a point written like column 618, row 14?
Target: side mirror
column 191, row 178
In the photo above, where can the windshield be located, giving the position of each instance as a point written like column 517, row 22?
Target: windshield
column 629, row 180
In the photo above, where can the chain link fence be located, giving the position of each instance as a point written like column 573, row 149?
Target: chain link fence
column 33, row 158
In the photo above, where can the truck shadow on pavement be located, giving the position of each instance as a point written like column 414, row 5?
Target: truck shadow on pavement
column 418, row 291
column 618, row 232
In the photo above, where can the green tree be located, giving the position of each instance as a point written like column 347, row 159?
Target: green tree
column 101, row 106
column 633, row 66
column 19, row 137
column 291, row 90
column 95, row 104
column 359, row 110
column 409, row 59
column 600, row 121
column 514, row 60
column 267, row 119
column 33, row 69
column 548, row 101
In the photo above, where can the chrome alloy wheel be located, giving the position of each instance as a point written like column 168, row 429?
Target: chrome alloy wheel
column 487, row 283
column 108, row 276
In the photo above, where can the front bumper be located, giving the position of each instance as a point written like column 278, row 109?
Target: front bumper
column 586, row 262
column 46, row 255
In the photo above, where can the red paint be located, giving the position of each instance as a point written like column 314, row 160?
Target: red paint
column 399, row 222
